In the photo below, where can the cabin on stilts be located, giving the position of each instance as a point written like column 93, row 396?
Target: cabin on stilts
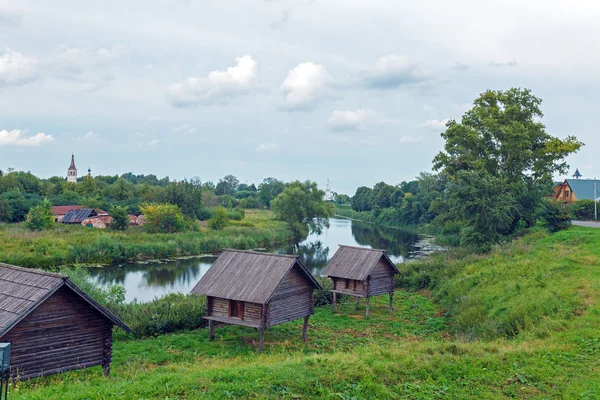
column 257, row 290
column 53, row 325
column 362, row 273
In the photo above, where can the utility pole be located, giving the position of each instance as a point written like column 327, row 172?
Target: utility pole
column 595, row 199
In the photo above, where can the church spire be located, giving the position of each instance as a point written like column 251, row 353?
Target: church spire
column 72, row 162
column 72, row 171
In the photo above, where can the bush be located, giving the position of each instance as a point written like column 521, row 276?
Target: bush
column 120, row 218
column 219, row 220
column 555, row 216
column 237, row 214
column 228, row 201
column 249, row 202
column 163, row 218
column 40, row 217
column 582, row 209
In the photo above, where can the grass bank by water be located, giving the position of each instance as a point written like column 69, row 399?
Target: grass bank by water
column 64, row 245
column 522, row 322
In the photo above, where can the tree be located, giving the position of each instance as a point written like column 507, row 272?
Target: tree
column 268, row 190
column 501, row 147
column 162, row 218
column 302, row 207
column 87, row 186
column 120, row 218
column 187, row 196
column 17, row 204
column 219, row 220
column 382, row 194
column 40, row 217
column 227, row 185
column 363, row 199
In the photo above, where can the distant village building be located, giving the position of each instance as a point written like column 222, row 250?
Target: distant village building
column 77, row 217
column 257, row 290
column 361, row 273
column 52, row 324
column 328, row 193
column 72, row 171
column 61, row 211
column 576, row 189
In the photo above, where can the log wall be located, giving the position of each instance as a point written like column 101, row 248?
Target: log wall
column 340, row 284
column 293, row 299
column 219, row 307
column 381, row 279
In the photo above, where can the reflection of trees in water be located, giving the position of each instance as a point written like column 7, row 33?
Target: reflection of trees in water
column 155, row 275
column 313, row 255
column 397, row 242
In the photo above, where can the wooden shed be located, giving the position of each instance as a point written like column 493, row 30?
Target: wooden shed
column 52, row 324
column 257, row 290
column 361, row 272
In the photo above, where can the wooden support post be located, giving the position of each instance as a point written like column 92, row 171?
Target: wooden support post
column 391, row 300
column 334, row 302
column 357, row 303
column 367, row 304
column 211, row 330
column 261, row 344
column 305, row 328
column 107, row 352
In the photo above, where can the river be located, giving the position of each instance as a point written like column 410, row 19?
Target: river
column 146, row 281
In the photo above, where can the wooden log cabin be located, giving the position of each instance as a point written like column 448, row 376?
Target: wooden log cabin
column 362, row 273
column 257, row 290
column 52, row 324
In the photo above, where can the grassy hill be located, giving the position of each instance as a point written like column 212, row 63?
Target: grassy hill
column 521, row 322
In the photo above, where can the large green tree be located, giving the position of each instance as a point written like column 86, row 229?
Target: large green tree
column 302, row 206
column 500, row 149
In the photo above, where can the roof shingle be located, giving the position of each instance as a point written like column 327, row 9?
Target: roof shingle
column 355, row 262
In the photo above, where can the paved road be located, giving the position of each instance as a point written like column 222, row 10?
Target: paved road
column 589, row 224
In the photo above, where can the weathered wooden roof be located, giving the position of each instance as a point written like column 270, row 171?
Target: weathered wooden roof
column 22, row 290
column 77, row 216
column 355, row 262
column 248, row 276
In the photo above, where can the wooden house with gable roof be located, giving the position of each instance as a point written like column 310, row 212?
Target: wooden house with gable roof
column 257, row 290
column 52, row 324
column 362, row 273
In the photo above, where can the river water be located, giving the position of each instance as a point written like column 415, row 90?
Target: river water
column 146, row 281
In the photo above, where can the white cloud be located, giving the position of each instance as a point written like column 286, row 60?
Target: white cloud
column 89, row 136
column 153, row 142
column 218, row 87
column 410, row 139
column 495, row 64
column 139, row 134
column 185, row 129
column 153, row 118
column 393, row 71
column 349, row 120
column 458, row 66
column 304, row 85
column 268, row 147
column 435, row 123
column 16, row 68
column 18, row 137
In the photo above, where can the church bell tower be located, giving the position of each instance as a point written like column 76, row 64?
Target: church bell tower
column 72, row 171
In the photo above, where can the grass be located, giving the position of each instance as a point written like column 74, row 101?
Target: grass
column 65, row 245
column 424, row 350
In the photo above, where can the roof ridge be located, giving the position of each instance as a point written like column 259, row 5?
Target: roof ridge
column 33, row 271
column 361, row 248
column 262, row 253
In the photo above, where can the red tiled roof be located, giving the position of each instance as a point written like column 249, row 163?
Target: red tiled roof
column 62, row 210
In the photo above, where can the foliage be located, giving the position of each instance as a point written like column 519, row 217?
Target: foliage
column 583, row 209
column 219, row 220
column 228, row 185
column 229, row 201
column 250, row 202
column 162, row 218
column 555, row 216
column 40, row 217
column 363, row 199
column 302, row 207
column 187, row 196
column 111, row 296
column 120, row 218
column 342, row 199
column 268, row 190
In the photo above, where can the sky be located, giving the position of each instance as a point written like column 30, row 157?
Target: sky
column 356, row 92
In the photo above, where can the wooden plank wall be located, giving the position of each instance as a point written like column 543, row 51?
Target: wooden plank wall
column 340, row 284
column 62, row 334
column 382, row 279
column 292, row 300
column 219, row 307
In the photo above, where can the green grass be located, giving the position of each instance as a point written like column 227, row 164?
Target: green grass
column 65, row 245
column 424, row 350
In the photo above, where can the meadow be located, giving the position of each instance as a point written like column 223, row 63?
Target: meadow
column 521, row 322
column 68, row 245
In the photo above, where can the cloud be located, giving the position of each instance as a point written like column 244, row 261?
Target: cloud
column 285, row 16
column 9, row 18
column 410, row 139
column 503, row 64
column 154, row 118
column 458, row 66
column 185, row 129
column 88, row 136
column 268, row 147
column 139, row 134
column 153, row 142
column 304, row 86
column 393, row 71
column 91, row 69
column 217, row 88
column 349, row 120
column 19, row 137
column 435, row 123
column 16, row 68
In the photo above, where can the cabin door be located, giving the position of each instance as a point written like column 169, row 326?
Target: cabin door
column 236, row 309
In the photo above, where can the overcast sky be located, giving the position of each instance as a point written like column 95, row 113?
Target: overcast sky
column 354, row 91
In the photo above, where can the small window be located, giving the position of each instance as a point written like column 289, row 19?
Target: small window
column 236, row 309
column 567, row 193
column 351, row 284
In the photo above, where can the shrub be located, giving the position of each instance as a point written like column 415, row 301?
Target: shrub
column 120, row 218
column 555, row 216
column 249, row 202
column 237, row 214
column 40, row 217
column 219, row 220
column 582, row 209
column 228, row 201
column 162, row 218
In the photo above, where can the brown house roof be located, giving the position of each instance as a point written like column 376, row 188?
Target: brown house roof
column 355, row 262
column 62, row 210
column 22, row 290
column 248, row 276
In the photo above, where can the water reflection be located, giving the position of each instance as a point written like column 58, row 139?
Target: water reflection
column 144, row 282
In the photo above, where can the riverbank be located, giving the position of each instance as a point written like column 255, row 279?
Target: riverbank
column 68, row 245
column 533, row 306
